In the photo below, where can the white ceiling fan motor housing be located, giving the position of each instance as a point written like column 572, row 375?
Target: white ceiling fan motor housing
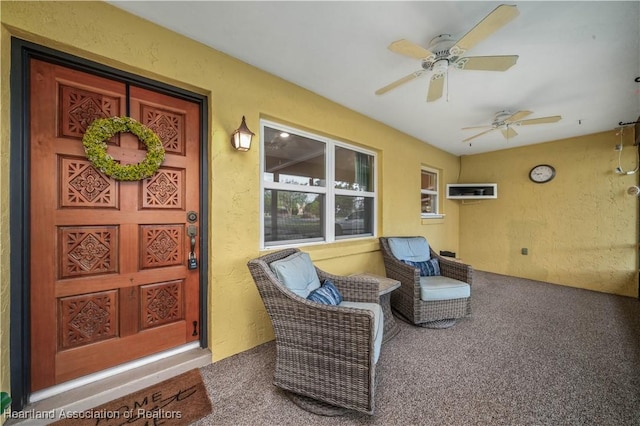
column 440, row 47
column 498, row 121
column 441, row 44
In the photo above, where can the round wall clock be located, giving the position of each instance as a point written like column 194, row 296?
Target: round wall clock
column 542, row 173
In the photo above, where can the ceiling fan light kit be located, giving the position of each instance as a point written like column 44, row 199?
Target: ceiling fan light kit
column 440, row 66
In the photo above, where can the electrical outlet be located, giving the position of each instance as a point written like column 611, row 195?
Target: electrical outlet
column 524, row 251
column 618, row 147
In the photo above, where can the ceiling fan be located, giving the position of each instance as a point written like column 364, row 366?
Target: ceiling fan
column 505, row 121
column 443, row 52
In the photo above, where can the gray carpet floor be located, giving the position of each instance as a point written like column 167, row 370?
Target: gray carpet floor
column 531, row 353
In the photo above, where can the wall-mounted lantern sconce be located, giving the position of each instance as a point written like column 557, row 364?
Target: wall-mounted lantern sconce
column 241, row 138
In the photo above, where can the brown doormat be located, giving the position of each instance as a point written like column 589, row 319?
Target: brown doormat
column 178, row 401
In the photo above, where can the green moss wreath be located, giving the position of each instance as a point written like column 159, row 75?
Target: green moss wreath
column 95, row 147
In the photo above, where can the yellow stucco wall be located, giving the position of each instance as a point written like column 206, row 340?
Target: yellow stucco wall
column 581, row 229
column 237, row 319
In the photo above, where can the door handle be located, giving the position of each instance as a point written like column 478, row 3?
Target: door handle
column 192, row 262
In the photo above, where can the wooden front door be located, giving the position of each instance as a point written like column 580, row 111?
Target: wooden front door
column 109, row 281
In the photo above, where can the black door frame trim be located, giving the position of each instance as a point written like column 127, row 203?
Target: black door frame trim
column 21, row 53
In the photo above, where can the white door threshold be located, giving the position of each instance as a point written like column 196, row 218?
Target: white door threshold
column 106, row 389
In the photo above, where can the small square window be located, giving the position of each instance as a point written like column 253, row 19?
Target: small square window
column 429, row 194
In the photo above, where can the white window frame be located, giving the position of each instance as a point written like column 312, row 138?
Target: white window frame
column 329, row 191
column 437, row 214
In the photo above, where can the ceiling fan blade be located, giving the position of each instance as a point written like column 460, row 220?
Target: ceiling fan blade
column 476, row 127
column 518, row 116
column 479, row 134
column 435, row 87
column 509, row 133
column 486, row 63
column 399, row 82
column 407, row 48
column 499, row 17
column 541, row 120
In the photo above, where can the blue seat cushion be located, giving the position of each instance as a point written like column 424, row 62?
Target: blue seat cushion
column 327, row 294
column 378, row 323
column 297, row 273
column 414, row 249
column 443, row 288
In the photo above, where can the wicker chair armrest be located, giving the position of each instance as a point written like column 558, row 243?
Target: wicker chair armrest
column 408, row 276
column 336, row 331
column 453, row 269
column 353, row 288
column 400, row 271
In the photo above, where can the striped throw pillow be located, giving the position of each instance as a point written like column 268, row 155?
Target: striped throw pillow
column 327, row 294
column 428, row 268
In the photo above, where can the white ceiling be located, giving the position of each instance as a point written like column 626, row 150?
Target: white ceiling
column 577, row 59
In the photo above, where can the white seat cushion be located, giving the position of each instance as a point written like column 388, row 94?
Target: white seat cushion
column 378, row 323
column 443, row 288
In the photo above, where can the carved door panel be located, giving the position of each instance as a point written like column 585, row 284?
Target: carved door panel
column 108, row 266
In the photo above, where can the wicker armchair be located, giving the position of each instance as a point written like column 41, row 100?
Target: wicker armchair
column 407, row 299
column 325, row 353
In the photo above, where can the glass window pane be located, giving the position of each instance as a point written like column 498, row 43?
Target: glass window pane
column 354, row 215
column 429, row 181
column 429, row 203
column 292, row 215
column 293, row 159
column 354, row 170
